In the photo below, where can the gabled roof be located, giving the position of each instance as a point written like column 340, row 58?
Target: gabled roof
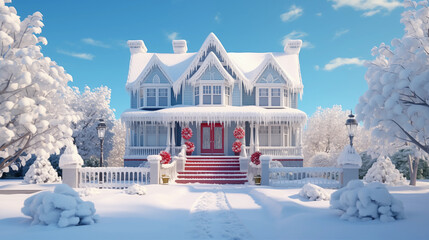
column 246, row 67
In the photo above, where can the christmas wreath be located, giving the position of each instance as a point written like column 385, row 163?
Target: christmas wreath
column 190, row 147
column 239, row 133
column 236, row 147
column 166, row 157
column 255, row 158
column 186, row 133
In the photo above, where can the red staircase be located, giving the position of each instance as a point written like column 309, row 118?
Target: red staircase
column 212, row 170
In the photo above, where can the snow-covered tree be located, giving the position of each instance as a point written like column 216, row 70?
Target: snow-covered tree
column 384, row 171
column 326, row 132
column 116, row 155
column 93, row 105
column 322, row 159
column 396, row 103
column 41, row 171
column 35, row 116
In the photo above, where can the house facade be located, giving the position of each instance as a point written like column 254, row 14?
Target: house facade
column 213, row 92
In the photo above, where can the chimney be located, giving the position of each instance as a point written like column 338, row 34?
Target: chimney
column 179, row 46
column 293, row 46
column 137, row 46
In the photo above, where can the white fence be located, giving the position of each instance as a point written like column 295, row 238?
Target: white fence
column 281, row 151
column 143, row 151
column 298, row 176
column 112, row 177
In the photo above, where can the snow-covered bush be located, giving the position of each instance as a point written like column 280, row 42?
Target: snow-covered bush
column 367, row 162
column 41, row 171
column 63, row 208
column 366, row 202
column 384, row 171
column 136, row 189
column 322, row 159
column 314, row 192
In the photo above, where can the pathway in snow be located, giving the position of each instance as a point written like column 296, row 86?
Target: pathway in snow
column 212, row 218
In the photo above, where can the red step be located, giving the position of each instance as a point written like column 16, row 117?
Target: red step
column 211, row 176
column 212, row 165
column 210, row 181
column 231, row 172
column 202, row 168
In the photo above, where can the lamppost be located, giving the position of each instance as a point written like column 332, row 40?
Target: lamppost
column 101, row 129
column 351, row 125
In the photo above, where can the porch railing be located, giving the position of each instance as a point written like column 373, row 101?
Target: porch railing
column 297, row 177
column 112, row 177
column 281, row 151
column 143, row 151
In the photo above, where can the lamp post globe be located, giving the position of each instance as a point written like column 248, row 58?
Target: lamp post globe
column 351, row 125
column 101, row 130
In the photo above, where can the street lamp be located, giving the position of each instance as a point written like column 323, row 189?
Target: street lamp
column 351, row 125
column 101, row 129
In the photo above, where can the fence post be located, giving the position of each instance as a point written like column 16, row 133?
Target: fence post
column 154, row 162
column 244, row 164
column 350, row 161
column 70, row 162
column 350, row 172
column 265, row 169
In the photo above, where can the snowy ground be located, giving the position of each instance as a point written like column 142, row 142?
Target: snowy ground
column 215, row 212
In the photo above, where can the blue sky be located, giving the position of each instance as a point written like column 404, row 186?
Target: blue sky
column 88, row 38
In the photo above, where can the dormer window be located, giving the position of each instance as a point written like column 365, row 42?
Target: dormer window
column 154, row 97
column 212, row 94
column 269, row 97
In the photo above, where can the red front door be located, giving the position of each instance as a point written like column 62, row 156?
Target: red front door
column 212, row 138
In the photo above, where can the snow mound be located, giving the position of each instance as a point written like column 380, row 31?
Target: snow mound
column 357, row 201
column 136, row 189
column 314, row 192
column 63, row 208
column 384, row 171
column 88, row 192
column 41, row 171
column 322, row 159
column 349, row 156
column 276, row 164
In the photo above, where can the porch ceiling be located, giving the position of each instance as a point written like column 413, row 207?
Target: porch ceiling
column 224, row 114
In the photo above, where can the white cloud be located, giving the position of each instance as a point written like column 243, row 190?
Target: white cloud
column 217, row 18
column 316, row 67
column 338, row 62
column 86, row 56
column 293, row 13
column 370, row 7
column 370, row 13
column 340, row 33
column 96, row 43
column 319, row 14
column 172, row 36
column 297, row 35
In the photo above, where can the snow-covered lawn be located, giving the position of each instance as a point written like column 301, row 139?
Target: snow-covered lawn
column 215, row 212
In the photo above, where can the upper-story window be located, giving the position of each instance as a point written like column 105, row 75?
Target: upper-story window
column 197, row 95
column 227, row 95
column 206, row 94
column 269, row 97
column 155, row 97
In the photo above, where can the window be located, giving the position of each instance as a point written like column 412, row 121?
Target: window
column 151, row 136
column 275, row 97
column 162, row 135
column 263, row 136
column 276, row 136
column 217, row 94
column 263, row 97
column 163, row 97
column 273, row 136
column 227, row 95
column 207, row 94
column 285, row 136
column 285, row 99
column 151, row 97
column 197, row 95
column 141, row 97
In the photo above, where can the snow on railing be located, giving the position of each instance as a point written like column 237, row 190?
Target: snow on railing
column 143, row 151
column 169, row 170
column 298, row 176
column 112, row 177
column 281, row 151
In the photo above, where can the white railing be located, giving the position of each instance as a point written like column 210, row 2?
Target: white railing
column 112, row 177
column 281, row 151
column 169, row 170
column 247, row 151
column 298, row 176
column 143, row 151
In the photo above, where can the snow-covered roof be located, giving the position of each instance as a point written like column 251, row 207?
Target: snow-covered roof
column 247, row 67
column 225, row 114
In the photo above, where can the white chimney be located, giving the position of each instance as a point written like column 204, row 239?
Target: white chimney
column 293, row 46
column 179, row 46
column 137, row 46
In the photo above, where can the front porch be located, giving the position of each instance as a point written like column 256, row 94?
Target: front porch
column 274, row 132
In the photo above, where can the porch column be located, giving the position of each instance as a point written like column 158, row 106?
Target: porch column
column 252, row 142
column 257, row 137
column 173, row 138
column 168, row 138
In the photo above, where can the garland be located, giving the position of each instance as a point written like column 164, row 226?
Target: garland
column 255, row 158
column 239, row 133
column 166, row 157
column 236, row 146
column 190, row 147
column 186, row 133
